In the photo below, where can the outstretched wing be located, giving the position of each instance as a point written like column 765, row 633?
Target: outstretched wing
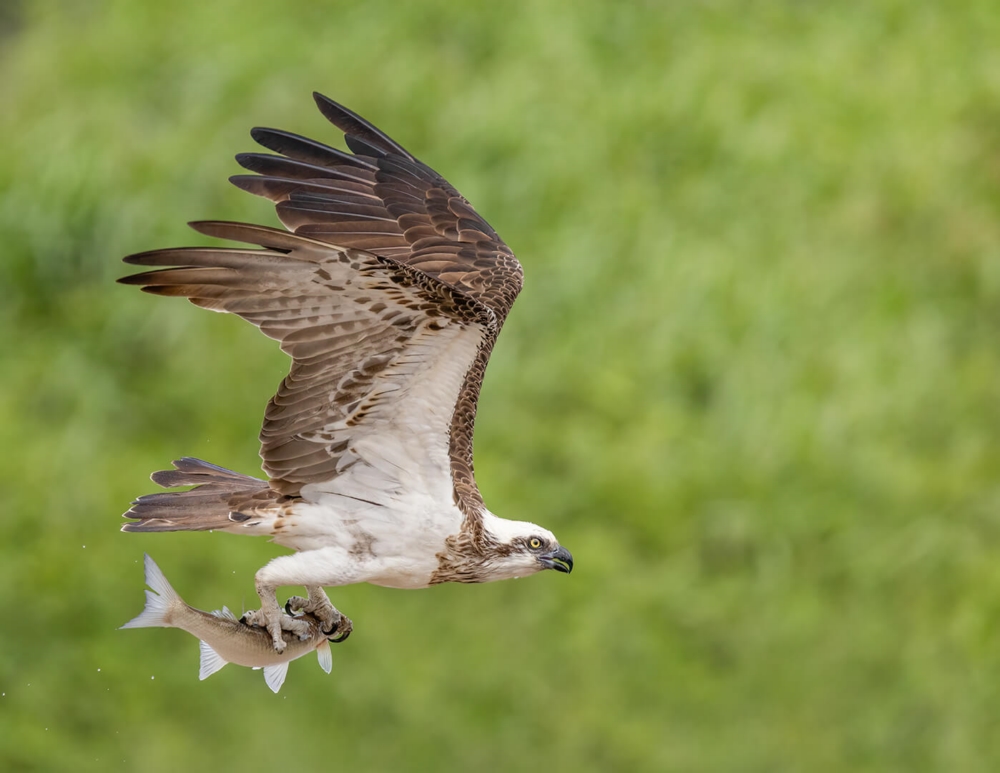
column 388, row 296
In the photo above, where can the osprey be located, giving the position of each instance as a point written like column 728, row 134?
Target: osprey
column 387, row 291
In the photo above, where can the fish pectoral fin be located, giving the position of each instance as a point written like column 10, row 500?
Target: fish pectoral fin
column 275, row 675
column 211, row 661
column 325, row 656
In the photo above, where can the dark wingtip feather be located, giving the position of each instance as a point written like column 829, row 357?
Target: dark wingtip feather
column 299, row 148
column 135, row 259
column 349, row 122
column 249, row 161
column 134, row 279
column 249, row 183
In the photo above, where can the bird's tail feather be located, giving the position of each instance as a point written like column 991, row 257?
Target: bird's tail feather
column 220, row 499
column 159, row 602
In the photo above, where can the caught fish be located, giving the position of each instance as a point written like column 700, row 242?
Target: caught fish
column 223, row 638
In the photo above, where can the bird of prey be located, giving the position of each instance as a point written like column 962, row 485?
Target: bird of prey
column 387, row 290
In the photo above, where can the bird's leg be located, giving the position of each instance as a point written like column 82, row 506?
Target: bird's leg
column 334, row 624
column 269, row 616
column 302, row 569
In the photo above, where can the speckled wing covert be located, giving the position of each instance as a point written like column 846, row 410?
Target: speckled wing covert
column 386, row 268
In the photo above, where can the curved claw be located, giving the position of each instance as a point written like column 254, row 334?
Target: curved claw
column 288, row 607
column 338, row 639
column 339, row 631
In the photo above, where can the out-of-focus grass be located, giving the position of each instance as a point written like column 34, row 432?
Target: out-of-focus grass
column 751, row 383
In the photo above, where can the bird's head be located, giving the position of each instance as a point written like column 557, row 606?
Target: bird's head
column 524, row 548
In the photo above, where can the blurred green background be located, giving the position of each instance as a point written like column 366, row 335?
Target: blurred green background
column 751, row 382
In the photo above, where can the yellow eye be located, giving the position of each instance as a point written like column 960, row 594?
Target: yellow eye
column 534, row 543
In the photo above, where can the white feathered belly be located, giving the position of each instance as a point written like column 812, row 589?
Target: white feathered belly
column 395, row 547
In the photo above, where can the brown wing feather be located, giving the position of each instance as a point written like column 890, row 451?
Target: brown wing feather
column 382, row 199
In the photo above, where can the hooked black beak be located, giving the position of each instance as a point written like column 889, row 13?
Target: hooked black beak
column 559, row 559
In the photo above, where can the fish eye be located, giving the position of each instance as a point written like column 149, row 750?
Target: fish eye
column 534, row 543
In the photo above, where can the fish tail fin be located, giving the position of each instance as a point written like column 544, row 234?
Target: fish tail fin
column 159, row 604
